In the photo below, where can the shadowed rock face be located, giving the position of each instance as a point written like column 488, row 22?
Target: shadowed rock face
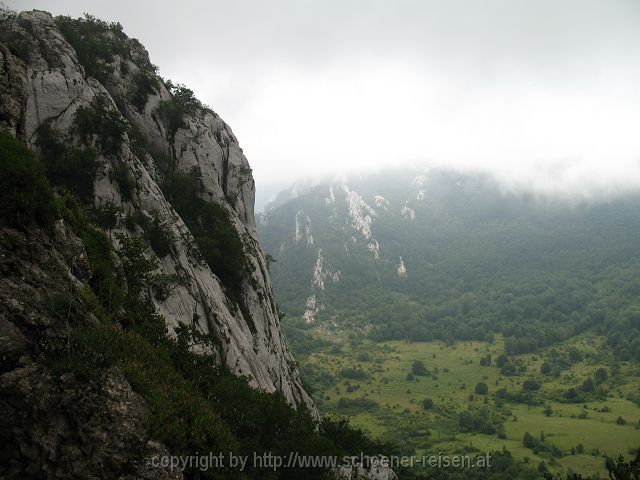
column 51, row 425
column 43, row 82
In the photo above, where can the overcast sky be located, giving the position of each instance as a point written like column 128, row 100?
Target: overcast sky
column 544, row 93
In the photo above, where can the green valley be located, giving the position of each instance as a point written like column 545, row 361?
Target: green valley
column 440, row 312
column 439, row 410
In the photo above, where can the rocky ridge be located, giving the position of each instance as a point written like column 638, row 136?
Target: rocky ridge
column 44, row 83
column 55, row 425
column 95, row 94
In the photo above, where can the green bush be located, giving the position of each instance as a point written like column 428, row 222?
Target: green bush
column 25, row 195
column 66, row 165
column 106, row 215
column 347, row 438
column 125, row 181
column 357, row 405
column 221, row 246
column 509, row 369
column 212, row 228
column 100, row 120
column 601, row 375
column 540, row 445
column 186, row 98
column 353, row 373
column 159, row 236
column 146, row 83
column 486, row 360
column 105, row 279
column 481, row 388
column 418, row 368
column 301, row 342
column 96, row 43
column 572, row 396
column 479, row 421
column 502, row 360
column 530, row 385
column 172, row 114
column 173, row 111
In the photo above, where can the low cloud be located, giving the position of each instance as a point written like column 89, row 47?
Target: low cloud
column 544, row 95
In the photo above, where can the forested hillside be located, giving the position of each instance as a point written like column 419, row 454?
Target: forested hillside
column 451, row 256
column 441, row 313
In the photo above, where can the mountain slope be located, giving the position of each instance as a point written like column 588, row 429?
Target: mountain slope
column 142, row 137
column 136, row 309
column 421, row 255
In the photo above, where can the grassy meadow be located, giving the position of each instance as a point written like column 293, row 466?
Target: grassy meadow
column 439, row 408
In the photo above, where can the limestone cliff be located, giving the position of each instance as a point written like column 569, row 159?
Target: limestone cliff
column 129, row 259
column 44, row 83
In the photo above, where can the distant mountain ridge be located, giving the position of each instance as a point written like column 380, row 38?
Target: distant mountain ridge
column 421, row 254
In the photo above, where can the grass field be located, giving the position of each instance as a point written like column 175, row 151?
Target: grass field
column 368, row 382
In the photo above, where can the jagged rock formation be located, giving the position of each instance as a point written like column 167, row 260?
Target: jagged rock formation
column 375, row 468
column 55, row 426
column 402, row 269
column 360, row 212
column 44, row 83
column 322, row 272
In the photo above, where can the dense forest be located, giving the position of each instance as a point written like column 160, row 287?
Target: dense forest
column 479, row 261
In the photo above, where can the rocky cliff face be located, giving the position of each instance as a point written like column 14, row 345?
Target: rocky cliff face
column 150, row 165
column 44, row 82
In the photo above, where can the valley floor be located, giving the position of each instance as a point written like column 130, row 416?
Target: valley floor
column 441, row 408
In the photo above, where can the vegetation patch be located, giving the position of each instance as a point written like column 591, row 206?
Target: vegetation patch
column 183, row 102
column 145, row 83
column 25, row 195
column 449, row 411
column 212, row 228
column 101, row 121
column 67, row 165
column 99, row 45
column 96, row 42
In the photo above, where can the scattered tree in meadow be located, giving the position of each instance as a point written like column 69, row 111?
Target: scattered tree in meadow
column 427, row 404
column 481, row 388
column 418, row 368
column 530, row 385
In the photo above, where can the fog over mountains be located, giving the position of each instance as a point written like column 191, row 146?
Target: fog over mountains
column 542, row 94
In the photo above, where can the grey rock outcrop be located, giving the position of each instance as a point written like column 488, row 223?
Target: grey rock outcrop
column 42, row 82
column 112, row 417
column 373, row 468
column 51, row 425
